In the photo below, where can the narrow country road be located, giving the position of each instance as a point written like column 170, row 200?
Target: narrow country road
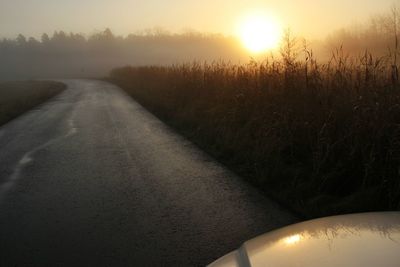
column 91, row 178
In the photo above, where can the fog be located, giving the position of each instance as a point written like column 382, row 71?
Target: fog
column 63, row 55
column 311, row 18
column 73, row 55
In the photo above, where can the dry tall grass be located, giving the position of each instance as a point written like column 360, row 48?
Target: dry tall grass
column 323, row 138
column 19, row 97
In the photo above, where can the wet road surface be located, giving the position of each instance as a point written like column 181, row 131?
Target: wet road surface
column 91, row 178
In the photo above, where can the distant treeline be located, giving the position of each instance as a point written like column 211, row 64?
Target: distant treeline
column 74, row 55
column 379, row 35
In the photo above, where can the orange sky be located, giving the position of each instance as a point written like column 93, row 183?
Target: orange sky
column 311, row 18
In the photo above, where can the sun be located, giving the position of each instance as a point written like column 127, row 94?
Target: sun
column 259, row 33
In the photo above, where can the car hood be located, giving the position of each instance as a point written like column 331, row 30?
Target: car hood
column 366, row 239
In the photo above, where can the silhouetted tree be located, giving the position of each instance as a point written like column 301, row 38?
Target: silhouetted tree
column 45, row 39
column 21, row 40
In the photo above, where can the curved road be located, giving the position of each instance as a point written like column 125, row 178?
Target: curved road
column 91, row 178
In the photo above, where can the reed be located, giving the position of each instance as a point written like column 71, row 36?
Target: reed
column 321, row 138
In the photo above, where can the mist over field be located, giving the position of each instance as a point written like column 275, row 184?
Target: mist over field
column 73, row 55
column 66, row 55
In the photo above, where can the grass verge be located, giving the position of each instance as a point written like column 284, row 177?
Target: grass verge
column 21, row 96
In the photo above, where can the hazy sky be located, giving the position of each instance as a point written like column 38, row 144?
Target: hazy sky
column 308, row 17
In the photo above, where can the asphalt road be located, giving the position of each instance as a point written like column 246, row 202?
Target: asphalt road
column 91, row 178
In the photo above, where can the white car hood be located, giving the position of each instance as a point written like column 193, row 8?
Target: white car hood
column 364, row 240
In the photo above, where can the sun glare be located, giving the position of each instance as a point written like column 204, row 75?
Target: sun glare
column 290, row 240
column 260, row 33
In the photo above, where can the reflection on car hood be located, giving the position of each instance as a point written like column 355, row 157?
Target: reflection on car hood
column 367, row 239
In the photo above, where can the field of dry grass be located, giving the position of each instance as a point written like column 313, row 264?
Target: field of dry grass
column 19, row 97
column 321, row 138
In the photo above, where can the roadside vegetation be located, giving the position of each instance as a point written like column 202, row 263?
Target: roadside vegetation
column 322, row 138
column 19, row 97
